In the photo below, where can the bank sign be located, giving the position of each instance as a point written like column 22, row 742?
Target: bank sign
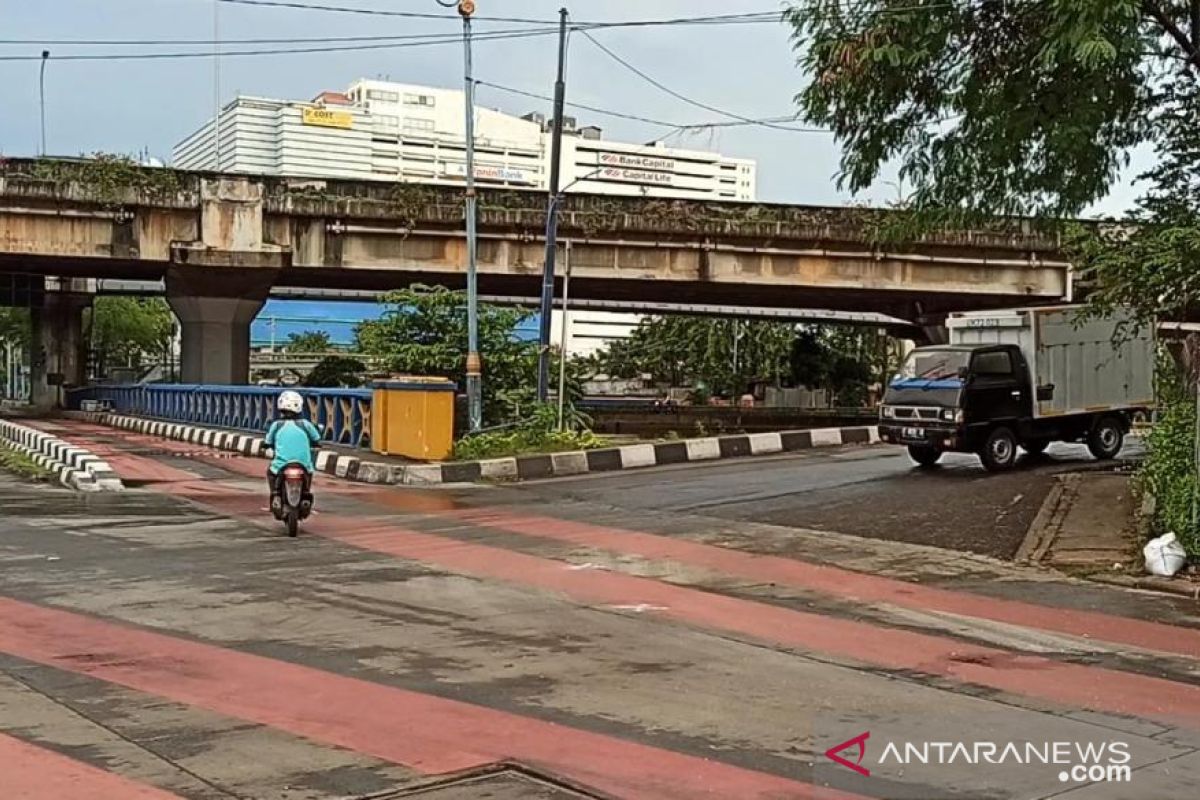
column 492, row 173
column 636, row 162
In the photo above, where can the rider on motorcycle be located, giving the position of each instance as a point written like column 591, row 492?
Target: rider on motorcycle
column 292, row 438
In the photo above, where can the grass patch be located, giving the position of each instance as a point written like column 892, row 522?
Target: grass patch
column 22, row 465
column 523, row 442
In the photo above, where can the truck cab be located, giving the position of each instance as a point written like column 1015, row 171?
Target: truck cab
column 1019, row 379
column 949, row 398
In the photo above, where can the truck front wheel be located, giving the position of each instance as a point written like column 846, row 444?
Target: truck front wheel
column 999, row 451
column 923, row 455
column 1106, row 437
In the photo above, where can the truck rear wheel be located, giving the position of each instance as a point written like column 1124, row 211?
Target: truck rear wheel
column 999, row 451
column 924, row 456
column 1105, row 438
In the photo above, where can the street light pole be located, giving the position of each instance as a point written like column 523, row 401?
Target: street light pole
column 543, row 382
column 474, row 363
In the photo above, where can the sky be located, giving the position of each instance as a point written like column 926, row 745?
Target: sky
column 135, row 106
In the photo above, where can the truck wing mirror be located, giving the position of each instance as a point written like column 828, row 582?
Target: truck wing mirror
column 963, row 373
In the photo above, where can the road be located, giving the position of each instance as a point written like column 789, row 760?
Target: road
column 545, row 642
column 866, row 491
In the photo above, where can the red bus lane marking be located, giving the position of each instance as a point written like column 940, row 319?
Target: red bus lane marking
column 29, row 772
column 1095, row 688
column 845, row 583
column 429, row 734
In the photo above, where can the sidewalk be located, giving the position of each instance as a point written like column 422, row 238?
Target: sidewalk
column 1088, row 526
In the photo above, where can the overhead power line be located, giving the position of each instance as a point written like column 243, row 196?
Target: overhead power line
column 649, row 120
column 433, row 39
column 688, row 100
column 739, row 18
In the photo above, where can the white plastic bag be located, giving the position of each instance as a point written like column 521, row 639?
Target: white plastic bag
column 1164, row 556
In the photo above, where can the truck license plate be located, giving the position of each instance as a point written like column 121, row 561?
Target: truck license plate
column 913, row 433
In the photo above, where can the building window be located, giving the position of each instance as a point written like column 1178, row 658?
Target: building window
column 382, row 96
column 419, row 100
column 385, row 121
column 418, row 125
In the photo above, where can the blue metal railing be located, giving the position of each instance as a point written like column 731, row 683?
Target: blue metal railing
column 342, row 415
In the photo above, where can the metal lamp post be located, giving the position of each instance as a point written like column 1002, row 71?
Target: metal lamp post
column 474, row 363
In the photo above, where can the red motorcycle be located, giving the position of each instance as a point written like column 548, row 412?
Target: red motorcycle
column 295, row 497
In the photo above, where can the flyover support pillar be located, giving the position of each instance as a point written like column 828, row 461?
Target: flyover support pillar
column 215, row 307
column 57, row 346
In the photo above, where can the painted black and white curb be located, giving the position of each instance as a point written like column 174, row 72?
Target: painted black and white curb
column 328, row 461
column 518, row 468
column 634, row 456
column 75, row 467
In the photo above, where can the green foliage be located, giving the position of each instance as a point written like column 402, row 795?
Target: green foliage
column 333, row 371
column 21, row 465
column 14, row 325
column 1149, row 263
column 424, row 332
column 700, row 352
column 725, row 354
column 538, row 434
column 110, row 178
column 993, row 107
column 130, row 331
column 308, row 342
column 1169, row 471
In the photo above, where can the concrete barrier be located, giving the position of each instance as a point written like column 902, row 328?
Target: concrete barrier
column 74, row 466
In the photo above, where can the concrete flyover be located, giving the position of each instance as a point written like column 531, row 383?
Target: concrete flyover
column 222, row 241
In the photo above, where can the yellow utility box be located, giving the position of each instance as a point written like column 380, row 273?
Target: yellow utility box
column 413, row 417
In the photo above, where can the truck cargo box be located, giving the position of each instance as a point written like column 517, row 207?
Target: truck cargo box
column 1076, row 367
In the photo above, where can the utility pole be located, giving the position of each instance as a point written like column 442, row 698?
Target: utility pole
column 42, row 96
column 216, row 19
column 474, row 363
column 547, row 305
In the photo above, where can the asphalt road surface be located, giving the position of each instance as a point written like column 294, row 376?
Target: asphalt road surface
column 866, row 491
column 169, row 642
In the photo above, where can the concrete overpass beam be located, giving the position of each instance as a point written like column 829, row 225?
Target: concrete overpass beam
column 215, row 307
column 58, row 349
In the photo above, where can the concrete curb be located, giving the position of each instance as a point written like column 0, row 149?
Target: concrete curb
column 516, row 468
column 75, row 467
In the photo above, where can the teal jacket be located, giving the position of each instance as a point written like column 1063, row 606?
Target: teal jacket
column 292, row 440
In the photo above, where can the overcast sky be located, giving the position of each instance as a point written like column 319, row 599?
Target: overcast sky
column 125, row 106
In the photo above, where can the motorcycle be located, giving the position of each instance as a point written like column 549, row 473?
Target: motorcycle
column 293, row 499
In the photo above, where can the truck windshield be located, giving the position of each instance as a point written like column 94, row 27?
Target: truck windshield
column 931, row 364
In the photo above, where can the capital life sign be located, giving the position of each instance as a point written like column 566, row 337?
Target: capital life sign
column 632, row 168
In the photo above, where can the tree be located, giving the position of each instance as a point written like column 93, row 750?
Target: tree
column 127, row 331
column 724, row 354
column 424, row 332
column 1030, row 107
column 335, row 371
column 14, row 326
column 308, row 342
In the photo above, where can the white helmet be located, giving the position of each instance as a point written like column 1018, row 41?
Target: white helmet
column 290, row 401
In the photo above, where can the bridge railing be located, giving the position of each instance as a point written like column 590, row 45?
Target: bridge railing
column 342, row 415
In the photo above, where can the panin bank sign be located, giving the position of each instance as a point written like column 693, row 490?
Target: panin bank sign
column 489, row 173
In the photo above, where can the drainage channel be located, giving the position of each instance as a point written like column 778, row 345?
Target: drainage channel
column 500, row 782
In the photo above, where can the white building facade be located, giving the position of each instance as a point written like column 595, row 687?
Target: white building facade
column 379, row 130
